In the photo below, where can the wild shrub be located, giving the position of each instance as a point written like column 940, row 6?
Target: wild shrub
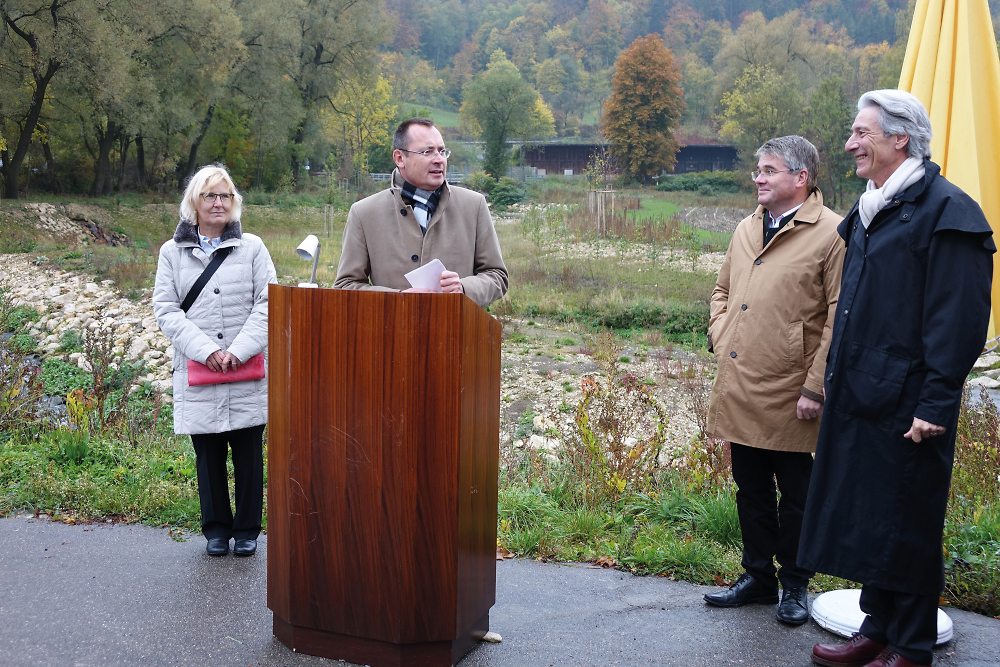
column 706, row 462
column 706, row 182
column 479, row 181
column 975, row 477
column 61, row 377
column 21, row 387
column 619, row 430
column 506, row 193
column 105, row 355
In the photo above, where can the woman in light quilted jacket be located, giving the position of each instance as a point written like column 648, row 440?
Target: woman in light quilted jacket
column 224, row 327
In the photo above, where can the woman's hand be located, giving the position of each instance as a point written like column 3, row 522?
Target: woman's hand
column 215, row 361
column 230, row 362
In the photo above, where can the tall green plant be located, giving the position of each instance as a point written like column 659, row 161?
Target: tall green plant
column 619, row 430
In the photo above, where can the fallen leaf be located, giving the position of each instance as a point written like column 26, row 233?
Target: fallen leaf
column 606, row 562
column 719, row 581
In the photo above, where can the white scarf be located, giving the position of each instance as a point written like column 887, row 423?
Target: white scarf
column 875, row 199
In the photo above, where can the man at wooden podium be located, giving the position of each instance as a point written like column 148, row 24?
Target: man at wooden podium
column 420, row 218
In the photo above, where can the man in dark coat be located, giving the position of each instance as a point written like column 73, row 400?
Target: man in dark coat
column 912, row 318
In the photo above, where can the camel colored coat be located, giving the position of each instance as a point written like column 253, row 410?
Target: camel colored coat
column 383, row 242
column 772, row 320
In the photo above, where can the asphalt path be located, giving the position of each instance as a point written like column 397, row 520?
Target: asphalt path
column 114, row 594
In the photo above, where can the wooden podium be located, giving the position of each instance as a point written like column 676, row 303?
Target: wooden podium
column 383, row 445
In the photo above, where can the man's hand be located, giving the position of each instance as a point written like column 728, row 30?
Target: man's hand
column 807, row 408
column 230, row 362
column 450, row 282
column 921, row 429
column 215, row 361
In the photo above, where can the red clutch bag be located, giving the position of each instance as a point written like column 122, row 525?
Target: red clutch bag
column 199, row 374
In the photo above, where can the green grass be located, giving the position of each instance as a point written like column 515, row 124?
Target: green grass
column 443, row 117
column 655, row 207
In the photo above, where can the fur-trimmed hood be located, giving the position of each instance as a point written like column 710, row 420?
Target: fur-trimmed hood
column 187, row 233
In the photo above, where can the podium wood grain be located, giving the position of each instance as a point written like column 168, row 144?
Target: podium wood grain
column 383, row 447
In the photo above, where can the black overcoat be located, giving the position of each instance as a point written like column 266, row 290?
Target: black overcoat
column 912, row 318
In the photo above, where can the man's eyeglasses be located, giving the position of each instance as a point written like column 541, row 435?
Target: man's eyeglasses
column 768, row 173
column 212, row 196
column 430, row 152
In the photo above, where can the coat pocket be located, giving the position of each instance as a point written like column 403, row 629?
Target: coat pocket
column 872, row 383
column 795, row 346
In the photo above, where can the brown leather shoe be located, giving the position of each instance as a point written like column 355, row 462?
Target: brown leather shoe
column 857, row 652
column 891, row 659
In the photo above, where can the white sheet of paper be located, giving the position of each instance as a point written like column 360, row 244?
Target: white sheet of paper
column 427, row 276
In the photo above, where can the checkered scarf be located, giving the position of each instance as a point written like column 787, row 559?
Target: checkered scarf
column 422, row 201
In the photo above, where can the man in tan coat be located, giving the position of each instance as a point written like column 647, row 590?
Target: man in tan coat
column 420, row 218
column 772, row 316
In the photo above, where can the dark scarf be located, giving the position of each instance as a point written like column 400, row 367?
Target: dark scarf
column 422, row 200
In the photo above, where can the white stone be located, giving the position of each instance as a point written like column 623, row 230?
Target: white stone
column 988, row 382
column 986, row 360
column 138, row 348
column 53, row 291
column 162, row 386
column 540, row 443
column 542, row 423
column 90, row 288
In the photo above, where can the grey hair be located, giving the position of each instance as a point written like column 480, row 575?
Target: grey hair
column 901, row 113
column 796, row 152
column 203, row 180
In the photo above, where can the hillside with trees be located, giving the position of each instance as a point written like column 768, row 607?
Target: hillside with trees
column 101, row 96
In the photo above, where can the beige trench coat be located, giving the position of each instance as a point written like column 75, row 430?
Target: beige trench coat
column 771, row 324
column 383, row 242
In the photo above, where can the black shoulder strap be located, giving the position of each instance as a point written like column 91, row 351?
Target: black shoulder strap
column 217, row 259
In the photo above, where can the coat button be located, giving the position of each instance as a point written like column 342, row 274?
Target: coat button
column 415, row 258
column 402, row 212
column 732, row 354
column 756, row 261
column 219, row 336
column 216, row 290
column 845, row 311
column 743, row 307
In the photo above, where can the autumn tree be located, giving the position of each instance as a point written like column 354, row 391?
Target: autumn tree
column 827, row 121
column 785, row 45
column 359, row 116
column 500, row 105
column 644, row 109
column 40, row 41
column 762, row 105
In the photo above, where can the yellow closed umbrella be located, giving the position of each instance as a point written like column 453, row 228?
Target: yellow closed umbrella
column 952, row 67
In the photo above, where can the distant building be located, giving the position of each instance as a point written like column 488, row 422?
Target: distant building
column 572, row 159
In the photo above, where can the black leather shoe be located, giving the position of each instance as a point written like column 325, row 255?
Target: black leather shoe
column 794, row 607
column 245, row 548
column 745, row 591
column 217, row 546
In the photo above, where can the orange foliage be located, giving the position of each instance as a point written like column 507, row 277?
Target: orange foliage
column 645, row 108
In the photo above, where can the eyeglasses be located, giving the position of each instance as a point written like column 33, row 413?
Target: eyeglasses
column 212, row 196
column 768, row 173
column 430, row 152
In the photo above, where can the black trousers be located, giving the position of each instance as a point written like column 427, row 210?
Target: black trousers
column 904, row 622
column 771, row 527
column 217, row 518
